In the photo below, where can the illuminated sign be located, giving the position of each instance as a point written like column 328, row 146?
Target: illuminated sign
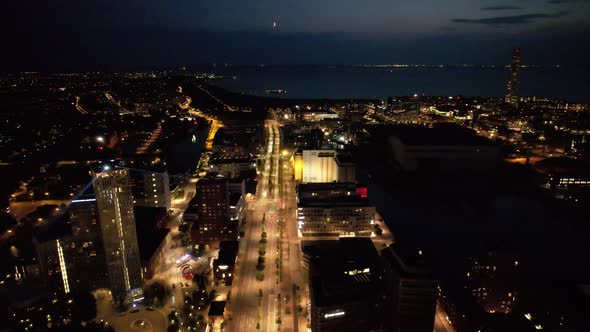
column 334, row 314
column 184, row 259
column 83, row 200
column 361, row 191
column 357, row 271
column 187, row 272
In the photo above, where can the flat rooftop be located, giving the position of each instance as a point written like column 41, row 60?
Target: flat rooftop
column 408, row 258
column 217, row 308
column 343, row 270
column 228, row 251
column 335, row 201
column 231, row 158
column 450, row 135
column 150, row 233
column 562, row 165
column 311, row 187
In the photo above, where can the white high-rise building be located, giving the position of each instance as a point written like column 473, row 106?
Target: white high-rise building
column 114, row 200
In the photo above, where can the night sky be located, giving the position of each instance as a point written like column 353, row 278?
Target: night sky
column 88, row 34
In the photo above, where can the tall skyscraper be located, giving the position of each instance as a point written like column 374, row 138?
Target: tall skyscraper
column 512, row 86
column 114, row 201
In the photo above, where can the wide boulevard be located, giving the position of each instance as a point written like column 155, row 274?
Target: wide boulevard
column 273, row 211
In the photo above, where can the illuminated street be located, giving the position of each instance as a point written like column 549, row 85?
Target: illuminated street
column 275, row 199
column 441, row 322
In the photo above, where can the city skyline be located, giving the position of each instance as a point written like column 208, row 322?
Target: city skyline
column 295, row 165
column 122, row 35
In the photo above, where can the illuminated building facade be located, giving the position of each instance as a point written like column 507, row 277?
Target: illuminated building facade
column 341, row 216
column 319, row 166
column 231, row 166
column 297, row 162
column 334, row 209
column 237, row 207
column 210, row 212
column 117, row 222
column 150, row 188
column 513, row 80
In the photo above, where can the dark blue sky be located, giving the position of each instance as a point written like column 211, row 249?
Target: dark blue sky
column 65, row 34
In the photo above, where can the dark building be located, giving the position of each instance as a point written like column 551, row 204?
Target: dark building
column 389, row 104
column 209, row 210
column 87, row 251
column 312, row 139
column 346, row 285
column 326, row 189
column 48, row 241
column 561, row 307
column 216, row 312
column 513, row 79
column 564, row 174
column 444, row 148
column 225, row 264
column 412, row 287
column 71, row 255
column 494, row 280
column 151, row 237
column 465, row 314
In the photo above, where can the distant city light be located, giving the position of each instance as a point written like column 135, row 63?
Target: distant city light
column 100, row 139
column 106, row 168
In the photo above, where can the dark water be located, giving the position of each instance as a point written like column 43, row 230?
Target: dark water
column 184, row 155
column 572, row 84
